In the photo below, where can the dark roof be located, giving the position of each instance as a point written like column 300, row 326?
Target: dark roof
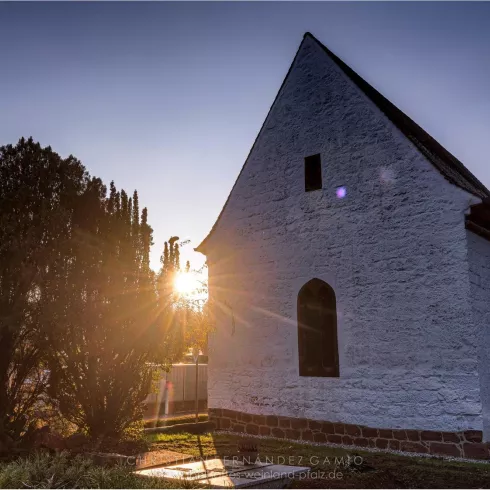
column 447, row 164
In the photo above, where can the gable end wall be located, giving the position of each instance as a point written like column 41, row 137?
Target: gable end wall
column 394, row 250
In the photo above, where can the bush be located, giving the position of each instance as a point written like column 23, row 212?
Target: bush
column 42, row 470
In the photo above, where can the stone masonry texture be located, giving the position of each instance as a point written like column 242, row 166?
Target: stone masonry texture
column 463, row 444
column 394, row 249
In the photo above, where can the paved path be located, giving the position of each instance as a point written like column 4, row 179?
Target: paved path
column 160, row 458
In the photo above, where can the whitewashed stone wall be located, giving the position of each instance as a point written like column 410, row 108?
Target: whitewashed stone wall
column 394, row 250
column 479, row 260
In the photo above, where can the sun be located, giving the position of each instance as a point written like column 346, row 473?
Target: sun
column 185, row 283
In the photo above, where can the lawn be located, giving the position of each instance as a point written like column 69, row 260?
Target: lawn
column 367, row 470
column 43, row 470
column 328, row 466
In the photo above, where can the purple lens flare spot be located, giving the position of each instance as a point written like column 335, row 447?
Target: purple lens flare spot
column 341, row 192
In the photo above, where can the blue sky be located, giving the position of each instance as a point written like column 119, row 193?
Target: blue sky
column 167, row 98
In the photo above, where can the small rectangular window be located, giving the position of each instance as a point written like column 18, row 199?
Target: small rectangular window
column 313, row 173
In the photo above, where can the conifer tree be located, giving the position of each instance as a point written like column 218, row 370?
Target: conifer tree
column 39, row 193
column 78, row 300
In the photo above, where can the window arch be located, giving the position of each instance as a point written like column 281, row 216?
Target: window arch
column 317, row 330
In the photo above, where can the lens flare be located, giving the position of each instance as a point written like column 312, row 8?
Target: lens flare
column 185, row 283
column 341, row 192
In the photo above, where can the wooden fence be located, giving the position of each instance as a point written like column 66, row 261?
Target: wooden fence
column 176, row 391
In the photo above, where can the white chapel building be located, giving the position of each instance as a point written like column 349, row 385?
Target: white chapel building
column 349, row 274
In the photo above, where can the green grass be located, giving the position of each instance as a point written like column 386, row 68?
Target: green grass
column 42, row 470
column 181, row 419
column 377, row 470
column 368, row 470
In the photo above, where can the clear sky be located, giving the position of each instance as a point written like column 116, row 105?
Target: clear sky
column 167, row 98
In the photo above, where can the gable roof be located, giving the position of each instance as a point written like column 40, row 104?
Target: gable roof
column 447, row 164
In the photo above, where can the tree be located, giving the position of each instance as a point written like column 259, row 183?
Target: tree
column 193, row 311
column 83, row 318
column 80, row 315
column 38, row 193
column 108, row 332
column 198, row 324
column 170, row 267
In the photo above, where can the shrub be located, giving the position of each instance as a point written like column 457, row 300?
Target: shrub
column 42, row 470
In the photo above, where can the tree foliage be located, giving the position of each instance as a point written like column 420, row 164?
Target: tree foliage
column 193, row 310
column 112, row 331
column 169, row 268
column 79, row 305
column 38, row 191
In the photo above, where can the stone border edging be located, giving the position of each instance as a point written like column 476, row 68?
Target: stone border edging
column 464, row 444
column 191, row 427
column 356, row 448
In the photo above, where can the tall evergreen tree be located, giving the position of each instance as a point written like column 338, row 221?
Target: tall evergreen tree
column 103, row 355
column 170, row 266
column 39, row 194
column 78, row 299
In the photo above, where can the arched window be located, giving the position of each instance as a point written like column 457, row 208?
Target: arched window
column 317, row 330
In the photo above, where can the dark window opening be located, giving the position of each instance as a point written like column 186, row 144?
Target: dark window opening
column 313, row 173
column 317, row 330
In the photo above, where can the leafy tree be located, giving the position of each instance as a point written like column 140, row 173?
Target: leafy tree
column 108, row 332
column 197, row 322
column 82, row 316
column 38, row 193
column 80, row 313
column 192, row 309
